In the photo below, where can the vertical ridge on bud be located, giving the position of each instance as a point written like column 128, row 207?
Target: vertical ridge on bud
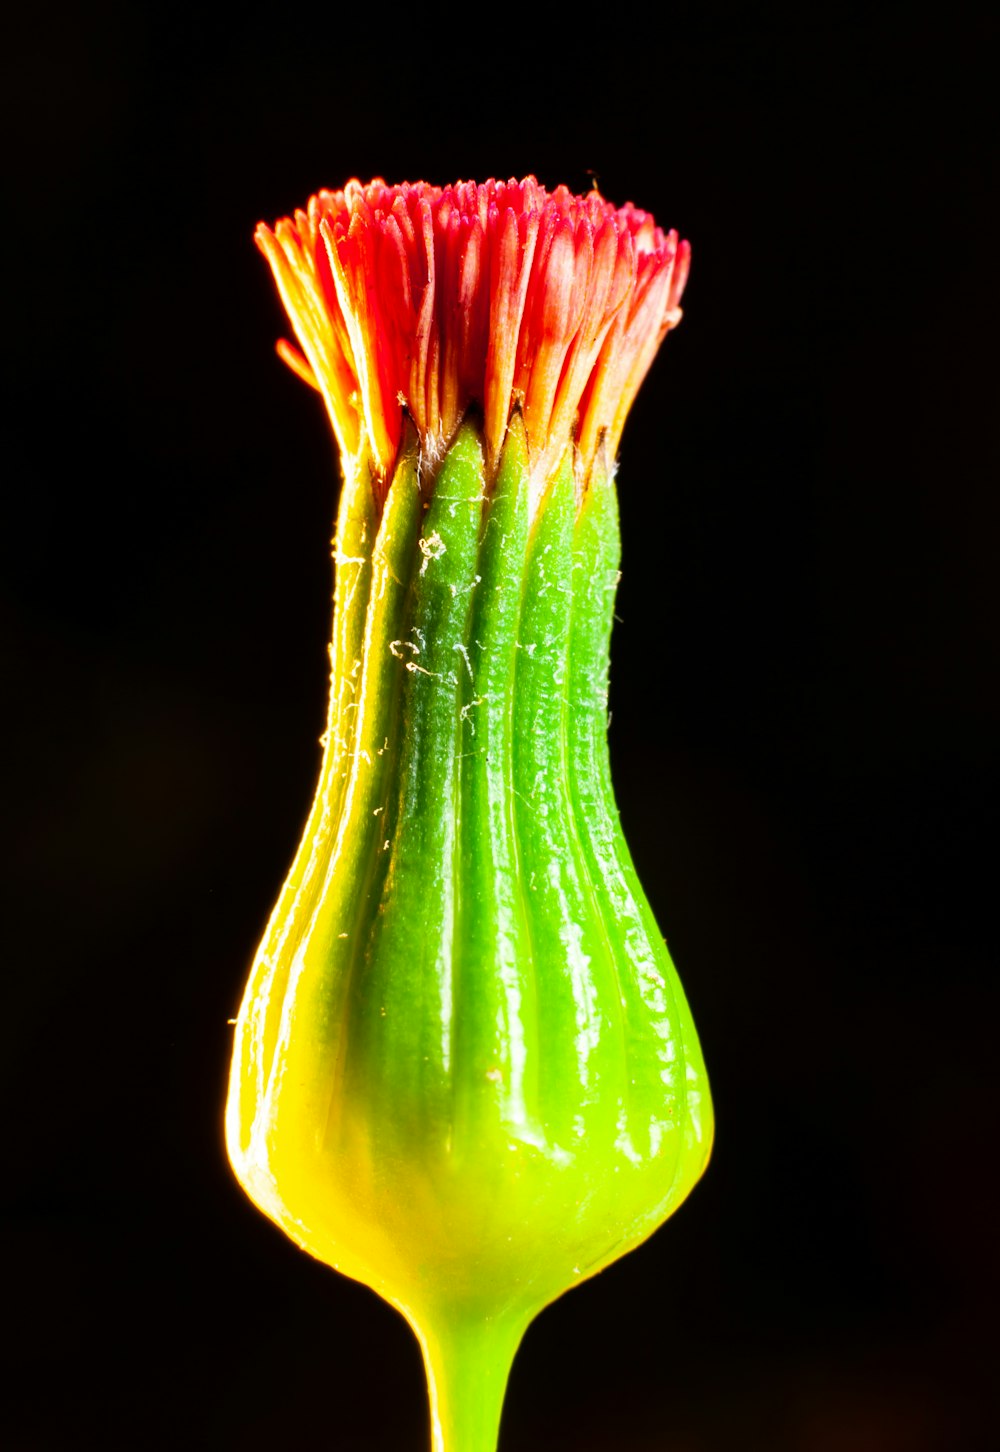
column 647, row 986
column 286, row 1064
column 497, row 1043
column 353, row 542
column 402, row 1026
column 578, row 1002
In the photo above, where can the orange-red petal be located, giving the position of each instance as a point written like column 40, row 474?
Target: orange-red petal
column 435, row 299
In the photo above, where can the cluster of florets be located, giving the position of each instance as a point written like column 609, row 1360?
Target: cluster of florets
column 431, row 299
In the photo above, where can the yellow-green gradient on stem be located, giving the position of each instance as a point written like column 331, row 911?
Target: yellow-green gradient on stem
column 465, row 1071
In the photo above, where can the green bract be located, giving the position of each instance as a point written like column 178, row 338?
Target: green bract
column 465, row 1071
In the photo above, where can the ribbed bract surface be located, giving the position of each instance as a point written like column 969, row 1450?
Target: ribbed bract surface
column 465, row 1071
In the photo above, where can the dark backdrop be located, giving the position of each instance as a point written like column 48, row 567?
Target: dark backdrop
column 804, row 703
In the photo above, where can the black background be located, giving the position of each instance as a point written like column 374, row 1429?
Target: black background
column 804, row 702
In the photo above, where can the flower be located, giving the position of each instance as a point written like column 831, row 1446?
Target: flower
column 430, row 299
column 464, row 1070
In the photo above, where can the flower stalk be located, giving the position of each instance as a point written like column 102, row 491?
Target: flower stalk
column 465, row 1071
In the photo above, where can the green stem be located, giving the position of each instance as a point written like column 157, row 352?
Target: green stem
column 467, row 1362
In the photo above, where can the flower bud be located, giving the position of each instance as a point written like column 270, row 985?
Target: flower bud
column 465, row 1072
